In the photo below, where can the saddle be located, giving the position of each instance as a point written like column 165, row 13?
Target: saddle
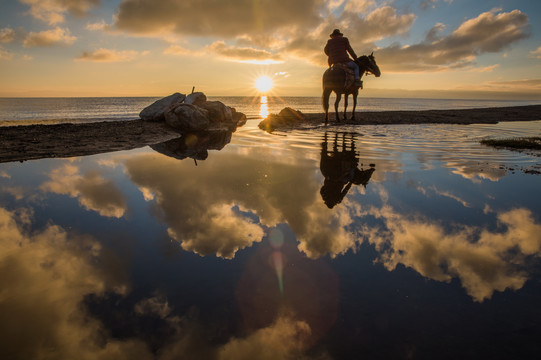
column 349, row 84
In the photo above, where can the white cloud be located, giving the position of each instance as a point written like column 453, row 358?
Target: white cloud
column 54, row 37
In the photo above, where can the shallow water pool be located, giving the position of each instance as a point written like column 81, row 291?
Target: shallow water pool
column 387, row 242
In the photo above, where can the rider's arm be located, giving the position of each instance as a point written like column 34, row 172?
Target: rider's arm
column 350, row 49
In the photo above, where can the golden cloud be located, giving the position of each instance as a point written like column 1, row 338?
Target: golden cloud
column 7, row 35
column 109, row 55
column 92, row 191
column 54, row 37
column 45, row 276
column 490, row 32
column 53, row 11
column 216, row 18
column 284, row 339
column 536, row 53
column 244, row 54
column 5, row 55
column 484, row 261
column 209, row 223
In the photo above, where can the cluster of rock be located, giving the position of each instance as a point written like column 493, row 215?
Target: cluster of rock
column 193, row 113
column 287, row 117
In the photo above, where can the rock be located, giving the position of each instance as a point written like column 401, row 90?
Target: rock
column 187, row 117
column 218, row 112
column 156, row 111
column 287, row 117
column 238, row 118
column 196, row 98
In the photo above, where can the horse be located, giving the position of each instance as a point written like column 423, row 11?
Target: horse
column 334, row 79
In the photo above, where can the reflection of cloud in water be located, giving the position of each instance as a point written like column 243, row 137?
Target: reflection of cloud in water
column 284, row 339
column 484, row 261
column 204, row 206
column 93, row 191
column 45, row 277
column 477, row 172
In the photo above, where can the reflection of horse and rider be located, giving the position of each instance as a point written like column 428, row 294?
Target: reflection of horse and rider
column 339, row 167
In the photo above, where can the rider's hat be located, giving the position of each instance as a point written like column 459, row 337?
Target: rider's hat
column 336, row 32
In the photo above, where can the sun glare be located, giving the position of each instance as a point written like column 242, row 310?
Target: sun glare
column 263, row 83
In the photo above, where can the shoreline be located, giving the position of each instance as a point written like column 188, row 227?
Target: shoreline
column 30, row 142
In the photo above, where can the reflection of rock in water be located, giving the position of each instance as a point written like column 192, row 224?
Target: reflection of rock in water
column 194, row 145
column 339, row 167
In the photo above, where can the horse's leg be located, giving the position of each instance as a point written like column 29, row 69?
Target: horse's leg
column 326, row 95
column 354, row 104
column 338, row 97
column 345, row 105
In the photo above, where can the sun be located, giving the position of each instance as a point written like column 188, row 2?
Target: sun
column 263, row 83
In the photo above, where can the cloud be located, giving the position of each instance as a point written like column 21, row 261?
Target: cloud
column 54, row 37
column 92, row 191
column 5, row 54
column 525, row 84
column 213, row 222
column 176, row 50
column 7, row 35
column 101, row 25
column 109, row 55
column 362, row 31
column 215, row 17
column 284, row 339
column 53, row 11
column 485, row 261
column 359, row 6
column 536, row 53
column 426, row 4
column 490, row 32
column 45, row 276
column 244, row 54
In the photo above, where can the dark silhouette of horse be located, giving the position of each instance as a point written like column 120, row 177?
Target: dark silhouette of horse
column 334, row 79
column 339, row 167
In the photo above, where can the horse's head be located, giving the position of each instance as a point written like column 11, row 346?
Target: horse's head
column 368, row 63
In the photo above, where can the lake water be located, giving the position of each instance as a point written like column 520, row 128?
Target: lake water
column 24, row 111
column 345, row 242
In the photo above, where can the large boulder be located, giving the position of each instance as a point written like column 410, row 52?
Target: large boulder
column 156, row 111
column 218, row 112
column 196, row 98
column 187, row 117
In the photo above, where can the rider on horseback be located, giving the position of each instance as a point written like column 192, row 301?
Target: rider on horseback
column 337, row 50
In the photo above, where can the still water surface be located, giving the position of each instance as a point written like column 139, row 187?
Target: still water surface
column 378, row 242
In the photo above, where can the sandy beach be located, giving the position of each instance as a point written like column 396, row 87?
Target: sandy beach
column 21, row 143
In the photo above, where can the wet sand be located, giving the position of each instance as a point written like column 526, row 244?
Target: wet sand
column 20, row 143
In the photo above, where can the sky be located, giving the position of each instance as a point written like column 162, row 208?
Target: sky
column 424, row 48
